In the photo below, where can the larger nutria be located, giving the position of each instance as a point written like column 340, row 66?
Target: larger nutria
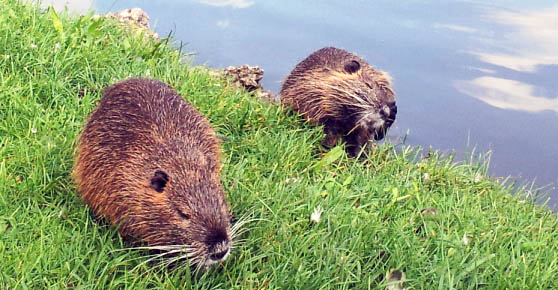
column 149, row 163
column 344, row 93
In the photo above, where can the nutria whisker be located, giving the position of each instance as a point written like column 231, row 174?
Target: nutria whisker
column 238, row 228
column 187, row 257
column 201, row 264
column 161, row 248
column 154, row 257
column 238, row 243
column 141, row 257
column 348, row 98
column 353, row 129
column 165, row 250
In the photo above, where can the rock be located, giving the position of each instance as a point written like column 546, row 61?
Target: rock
column 248, row 78
column 268, row 96
column 134, row 18
column 245, row 76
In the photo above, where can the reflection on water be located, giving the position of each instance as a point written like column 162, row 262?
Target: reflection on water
column 507, row 94
column 224, row 3
column 454, row 27
column 467, row 73
column 531, row 42
column 223, row 24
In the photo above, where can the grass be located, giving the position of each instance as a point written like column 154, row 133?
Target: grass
column 433, row 219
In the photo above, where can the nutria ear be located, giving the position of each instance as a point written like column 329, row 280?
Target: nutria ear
column 159, row 180
column 352, row 66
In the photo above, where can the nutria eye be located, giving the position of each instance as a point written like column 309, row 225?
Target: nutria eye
column 183, row 215
column 352, row 66
column 159, row 181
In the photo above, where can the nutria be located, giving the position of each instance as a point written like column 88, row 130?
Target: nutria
column 149, row 163
column 344, row 93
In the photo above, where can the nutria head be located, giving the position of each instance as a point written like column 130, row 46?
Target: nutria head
column 182, row 208
column 149, row 163
column 343, row 92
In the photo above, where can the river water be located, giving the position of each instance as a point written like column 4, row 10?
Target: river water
column 468, row 75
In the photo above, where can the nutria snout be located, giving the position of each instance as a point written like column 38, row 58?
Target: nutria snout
column 341, row 91
column 149, row 163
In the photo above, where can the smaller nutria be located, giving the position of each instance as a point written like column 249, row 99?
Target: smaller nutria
column 149, row 163
column 344, row 93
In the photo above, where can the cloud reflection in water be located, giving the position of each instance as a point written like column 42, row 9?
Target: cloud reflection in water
column 532, row 43
column 506, row 94
column 224, row 3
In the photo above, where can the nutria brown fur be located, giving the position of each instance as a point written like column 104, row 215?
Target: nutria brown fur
column 344, row 93
column 149, row 163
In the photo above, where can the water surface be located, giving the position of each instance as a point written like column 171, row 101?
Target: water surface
column 467, row 74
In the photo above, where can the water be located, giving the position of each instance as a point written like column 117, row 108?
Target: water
column 467, row 74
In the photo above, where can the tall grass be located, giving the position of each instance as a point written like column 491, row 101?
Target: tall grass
column 443, row 224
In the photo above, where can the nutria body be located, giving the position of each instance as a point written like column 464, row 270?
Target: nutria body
column 344, row 93
column 149, row 163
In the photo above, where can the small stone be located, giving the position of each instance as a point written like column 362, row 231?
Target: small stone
column 268, row 96
column 466, row 239
column 395, row 280
column 429, row 211
column 478, row 178
column 426, row 177
column 62, row 214
column 291, row 180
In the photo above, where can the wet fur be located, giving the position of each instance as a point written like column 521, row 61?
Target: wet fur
column 344, row 93
column 149, row 163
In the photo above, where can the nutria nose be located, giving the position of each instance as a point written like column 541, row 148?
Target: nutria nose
column 216, row 256
column 389, row 111
column 393, row 109
column 218, row 245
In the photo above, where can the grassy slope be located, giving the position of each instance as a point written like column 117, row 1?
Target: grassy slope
column 372, row 222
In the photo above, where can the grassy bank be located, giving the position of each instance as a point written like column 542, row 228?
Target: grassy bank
column 434, row 220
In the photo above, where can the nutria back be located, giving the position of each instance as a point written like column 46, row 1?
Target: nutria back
column 149, row 163
column 341, row 91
